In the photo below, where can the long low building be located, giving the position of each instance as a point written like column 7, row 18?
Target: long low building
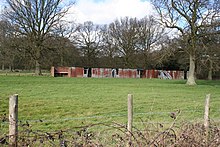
column 114, row 73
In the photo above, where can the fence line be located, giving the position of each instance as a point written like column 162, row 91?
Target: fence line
column 13, row 118
column 109, row 115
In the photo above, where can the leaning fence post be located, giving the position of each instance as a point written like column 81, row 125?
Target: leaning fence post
column 206, row 116
column 130, row 113
column 13, row 120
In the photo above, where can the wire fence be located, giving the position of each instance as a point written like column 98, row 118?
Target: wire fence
column 101, row 117
column 109, row 126
column 109, row 115
column 165, row 115
column 115, row 134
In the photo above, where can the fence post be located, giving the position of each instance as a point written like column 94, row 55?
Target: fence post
column 130, row 113
column 206, row 116
column 52, row 71
column 13, row 120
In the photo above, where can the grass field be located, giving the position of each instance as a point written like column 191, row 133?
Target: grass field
column 68, row 102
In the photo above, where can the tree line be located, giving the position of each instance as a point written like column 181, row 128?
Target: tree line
column 182, row 35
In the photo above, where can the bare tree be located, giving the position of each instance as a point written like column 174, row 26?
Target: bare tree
column 124, row 33
column 210, row 51
column 151, row 35
column 35, row 20
column 188, row 17
column 3, row 29
column 88, row 39
column 108, row 48
column 63, row 33
column 7, row 53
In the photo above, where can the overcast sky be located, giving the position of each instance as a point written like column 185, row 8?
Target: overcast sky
column 106, row 11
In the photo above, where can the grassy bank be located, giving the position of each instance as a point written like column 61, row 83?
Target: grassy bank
column 59, row 103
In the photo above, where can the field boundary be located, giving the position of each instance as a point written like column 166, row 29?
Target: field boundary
column 14, row 122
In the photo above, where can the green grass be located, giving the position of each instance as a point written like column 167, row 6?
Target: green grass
column 68, row 102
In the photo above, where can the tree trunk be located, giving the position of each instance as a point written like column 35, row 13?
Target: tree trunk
column 37, row 68
column 3, row 67
column 191, row 78
column 10, row 68
column 37, row 59
column 210, row 70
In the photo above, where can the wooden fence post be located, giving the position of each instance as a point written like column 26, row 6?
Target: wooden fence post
column 52, row 71
column 206, row 117
column 13, row 120
column 130, row 113
column 130, row 119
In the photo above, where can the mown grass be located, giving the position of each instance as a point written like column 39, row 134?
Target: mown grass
column 63, row 103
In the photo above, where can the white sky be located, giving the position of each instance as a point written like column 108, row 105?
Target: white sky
column 106, row 11
column 2, row 3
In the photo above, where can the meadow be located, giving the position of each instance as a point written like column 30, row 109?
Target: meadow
column 60, row 103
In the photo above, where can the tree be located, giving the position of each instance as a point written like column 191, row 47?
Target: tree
column 109, row 50
column 7, row 38
column 151, row 34
column 124, row 33
column 61, row 43
column 3, row 30
column 210, row 50
column 172, row 56
column 35, row 20
column 188, row 17
column 88, row 39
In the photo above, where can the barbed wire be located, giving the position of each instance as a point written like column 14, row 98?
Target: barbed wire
column 117, row 134
column 109, row 115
